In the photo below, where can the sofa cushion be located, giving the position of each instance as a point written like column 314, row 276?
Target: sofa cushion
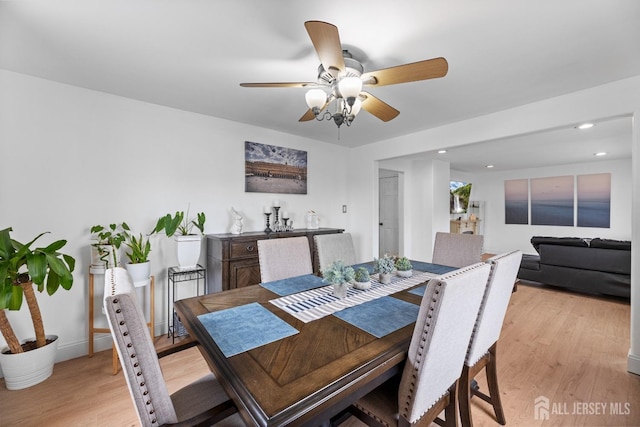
column 536, row 241
column 596, row 259
column 623, row 245
column 530, row 262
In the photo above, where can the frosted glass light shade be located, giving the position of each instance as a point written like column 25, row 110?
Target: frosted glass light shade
column 315, row 98
column 350, row 87
column 356, row 107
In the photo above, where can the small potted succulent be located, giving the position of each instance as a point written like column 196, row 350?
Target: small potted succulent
column 362, row 280
column 384, row 267
column 339, row 275
column 403, row 267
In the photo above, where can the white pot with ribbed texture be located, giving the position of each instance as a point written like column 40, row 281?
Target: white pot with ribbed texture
column 188, row 248
column 26, row 369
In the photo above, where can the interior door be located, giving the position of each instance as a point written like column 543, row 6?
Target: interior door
column 389, row 213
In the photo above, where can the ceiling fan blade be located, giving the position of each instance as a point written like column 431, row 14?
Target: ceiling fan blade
column 291, row 84
column 378, row 108
column 421, row 70
column 307, row 116
column 326, row 40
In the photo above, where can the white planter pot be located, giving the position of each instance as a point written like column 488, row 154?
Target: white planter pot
column 26, row 369
column 188, row 248
column 363, row 286
column 140, row 273
column 385, row 278
column 340, row 290
column 404, row 273
column 101, row 258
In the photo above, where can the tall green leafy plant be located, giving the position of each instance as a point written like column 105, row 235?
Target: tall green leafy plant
column 21, row 267
column 180, row 224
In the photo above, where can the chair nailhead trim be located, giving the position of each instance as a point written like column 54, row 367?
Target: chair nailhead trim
column 129, row 348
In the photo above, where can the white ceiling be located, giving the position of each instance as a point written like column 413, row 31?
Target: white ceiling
column 193, row 54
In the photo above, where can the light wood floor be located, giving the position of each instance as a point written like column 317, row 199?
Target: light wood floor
column 569, row 348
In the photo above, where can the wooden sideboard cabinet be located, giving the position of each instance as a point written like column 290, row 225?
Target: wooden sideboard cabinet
column 232, row 259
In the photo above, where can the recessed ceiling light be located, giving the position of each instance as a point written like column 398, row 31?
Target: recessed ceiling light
column 601, row 153
column 585, row 126
column 442, row 151
column 489, row 166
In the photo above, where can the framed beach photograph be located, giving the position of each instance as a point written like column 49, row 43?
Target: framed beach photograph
column 272, row 169
column 594, row 200
column 516, row 201
column 552, row 201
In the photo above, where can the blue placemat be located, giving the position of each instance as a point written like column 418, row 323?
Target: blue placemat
column 432, row 268
column 417, row 265
column 245, row 327
column 380, row 316
column 294, row 285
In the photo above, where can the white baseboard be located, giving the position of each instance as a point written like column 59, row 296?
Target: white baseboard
column 101, row 342
column 633, row 364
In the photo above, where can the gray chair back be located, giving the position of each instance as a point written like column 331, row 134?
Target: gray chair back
column 281, row 258
column 136, row 350
column 334, row 247
column 486, row 332
column 457, row 250
column 440, row 338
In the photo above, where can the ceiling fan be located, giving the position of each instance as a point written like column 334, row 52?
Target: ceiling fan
column 341, row 77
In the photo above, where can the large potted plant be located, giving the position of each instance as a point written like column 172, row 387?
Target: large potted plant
column 108, row 239
column 21, row 267
column 188, row 244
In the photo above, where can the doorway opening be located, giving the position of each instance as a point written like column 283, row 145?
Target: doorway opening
column 389, row 197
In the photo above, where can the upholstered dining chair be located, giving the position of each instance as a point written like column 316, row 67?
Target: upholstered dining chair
column 281, row 258
column 436, row 353
column 203, row 401
column 482, row 348
column 457, row 250
column 334, row 247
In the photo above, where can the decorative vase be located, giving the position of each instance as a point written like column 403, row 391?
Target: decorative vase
column 26, row 369
column 385, row 278
column 188, row 248
column 140, row 273
column 340, row 290
column 404, row 273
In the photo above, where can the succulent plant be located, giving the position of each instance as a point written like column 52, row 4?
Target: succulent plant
column 362, row 275
column 403, row 264
column 337, row 272
column 384, row 265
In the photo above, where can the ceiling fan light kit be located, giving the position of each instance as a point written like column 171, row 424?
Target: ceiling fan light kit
column 341, row 77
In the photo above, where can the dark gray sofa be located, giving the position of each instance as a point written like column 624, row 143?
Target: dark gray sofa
column 596, row 266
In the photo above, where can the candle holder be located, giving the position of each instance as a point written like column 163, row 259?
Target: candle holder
column 268, row 229
column 285, row 226
column 276, row 219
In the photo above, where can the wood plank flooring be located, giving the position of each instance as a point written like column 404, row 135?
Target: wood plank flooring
column 570, row 348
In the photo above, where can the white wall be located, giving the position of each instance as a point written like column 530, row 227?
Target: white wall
column 73, row 158
column 500, row 237
column 611, row 100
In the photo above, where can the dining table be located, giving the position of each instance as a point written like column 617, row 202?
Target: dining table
column 289, row 352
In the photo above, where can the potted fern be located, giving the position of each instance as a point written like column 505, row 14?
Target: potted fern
column 384, row 267
column 188, row 244
column 339, row 275
column 403, row 267
column 31, row 361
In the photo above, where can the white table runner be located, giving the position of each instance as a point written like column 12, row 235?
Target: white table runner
column 317, row 303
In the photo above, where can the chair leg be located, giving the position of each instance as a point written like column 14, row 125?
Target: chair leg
column 494, row 391
column 464, row 399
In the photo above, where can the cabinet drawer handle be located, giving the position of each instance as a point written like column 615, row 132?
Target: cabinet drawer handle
column 250, row 248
